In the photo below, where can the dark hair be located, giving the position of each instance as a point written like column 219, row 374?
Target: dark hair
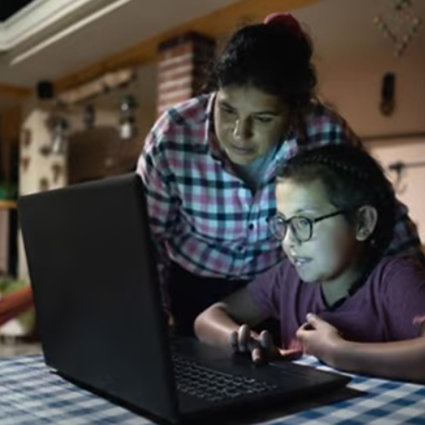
column 352, row 178
column 272, row 57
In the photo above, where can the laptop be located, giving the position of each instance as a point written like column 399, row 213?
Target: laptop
column 100, row 318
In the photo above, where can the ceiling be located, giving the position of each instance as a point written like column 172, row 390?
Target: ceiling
column 9, row 8
column 94, row 30
column 88, row 36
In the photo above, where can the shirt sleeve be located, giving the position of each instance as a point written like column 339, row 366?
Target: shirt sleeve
column 404, row 298
column 267, row 289
column 323, row 126
column 162, row 204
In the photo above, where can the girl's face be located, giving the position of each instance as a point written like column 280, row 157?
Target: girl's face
column 248, row 122
column 331, row 255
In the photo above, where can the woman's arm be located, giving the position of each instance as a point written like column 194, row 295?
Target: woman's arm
column 161, row 205
column 404, row 360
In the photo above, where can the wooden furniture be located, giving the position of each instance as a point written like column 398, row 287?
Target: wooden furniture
column 8, row 236
column 8, row 204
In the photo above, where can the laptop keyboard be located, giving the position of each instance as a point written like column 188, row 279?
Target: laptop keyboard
column 213, row 385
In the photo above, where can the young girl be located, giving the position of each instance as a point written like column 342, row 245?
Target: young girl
column 336, row 296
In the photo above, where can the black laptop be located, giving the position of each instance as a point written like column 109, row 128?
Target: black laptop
column 100, row 319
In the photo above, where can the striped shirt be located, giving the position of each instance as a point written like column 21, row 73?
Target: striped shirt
column 203, row 216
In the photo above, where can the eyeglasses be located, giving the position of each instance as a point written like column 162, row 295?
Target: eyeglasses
column 302, row 227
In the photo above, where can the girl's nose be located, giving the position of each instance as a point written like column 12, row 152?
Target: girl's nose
column 242, row 129
column 290, row 239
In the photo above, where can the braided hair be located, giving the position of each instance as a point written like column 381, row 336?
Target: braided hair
column 352, row 178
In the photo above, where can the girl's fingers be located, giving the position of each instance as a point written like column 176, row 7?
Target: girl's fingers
column 266, row 341
column 269, row 348
column 291, row 354
column 244, row 334
column 257, row 355
column 313, row 320
column 233, row 340
column 307, row 326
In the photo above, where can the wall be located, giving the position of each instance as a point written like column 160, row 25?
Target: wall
column 350, row 76
column 144, row 89
column 35, row 114
column 411, row 187
column 36, row 171
column 353, row 84
column 354, row 89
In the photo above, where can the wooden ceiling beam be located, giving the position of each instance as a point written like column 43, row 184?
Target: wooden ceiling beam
column 14, row 92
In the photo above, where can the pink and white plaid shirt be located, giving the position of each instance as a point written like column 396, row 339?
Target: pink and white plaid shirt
column 206, row 218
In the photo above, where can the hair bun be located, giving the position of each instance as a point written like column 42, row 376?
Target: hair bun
column 284, row 19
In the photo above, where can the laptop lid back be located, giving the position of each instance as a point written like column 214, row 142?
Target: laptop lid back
column 86, row 270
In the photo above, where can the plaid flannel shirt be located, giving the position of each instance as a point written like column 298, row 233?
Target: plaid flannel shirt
column 206, row 218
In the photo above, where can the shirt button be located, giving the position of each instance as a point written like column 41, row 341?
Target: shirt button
column 251, row 226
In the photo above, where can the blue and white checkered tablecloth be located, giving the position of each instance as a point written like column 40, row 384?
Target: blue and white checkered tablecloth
column 31, row 395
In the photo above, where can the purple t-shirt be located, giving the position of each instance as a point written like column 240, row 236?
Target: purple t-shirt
column 389, row 306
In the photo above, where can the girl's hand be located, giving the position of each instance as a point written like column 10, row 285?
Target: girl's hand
column 318, row 338
column 259, row 347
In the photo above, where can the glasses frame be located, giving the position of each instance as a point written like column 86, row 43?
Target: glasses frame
column 288, row 223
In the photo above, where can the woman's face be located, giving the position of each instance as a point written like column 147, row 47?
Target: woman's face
column 331, row 255
column 248, row 122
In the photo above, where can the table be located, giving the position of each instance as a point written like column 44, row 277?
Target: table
column 31, row 394
column 8, row 204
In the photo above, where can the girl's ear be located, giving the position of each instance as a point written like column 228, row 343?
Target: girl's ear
column 366, row 220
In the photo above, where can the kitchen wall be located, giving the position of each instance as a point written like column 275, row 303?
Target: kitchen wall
column 350, row 79
column 354, row 89
column 37, row 171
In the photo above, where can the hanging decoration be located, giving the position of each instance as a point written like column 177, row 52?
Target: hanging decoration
column 43, row 184
column 387, row 103
column 26, row 137
column 127, row 127
column 59, row 129
column 399, row 167
column 25, row 162
column 399, row 25
column 57, row 170
column 101, row 85
column 89, row 116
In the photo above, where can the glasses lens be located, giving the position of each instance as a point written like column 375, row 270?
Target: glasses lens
column 277, row 226
column 302, row 227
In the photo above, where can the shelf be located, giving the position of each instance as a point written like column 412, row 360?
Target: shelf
column 8, row 204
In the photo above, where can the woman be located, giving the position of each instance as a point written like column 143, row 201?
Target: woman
column 208, row 165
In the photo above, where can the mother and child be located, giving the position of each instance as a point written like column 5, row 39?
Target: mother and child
column 258, row 192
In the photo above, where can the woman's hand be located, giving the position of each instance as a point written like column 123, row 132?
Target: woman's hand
column 319, row 338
